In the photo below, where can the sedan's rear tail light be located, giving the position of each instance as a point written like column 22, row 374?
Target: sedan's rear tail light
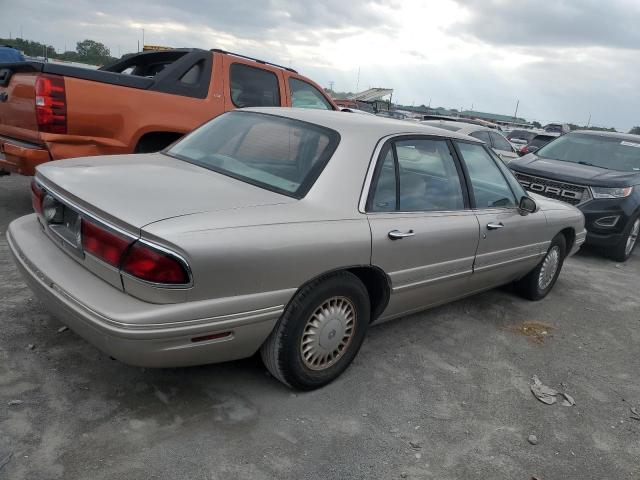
column 524, row 150
column 108, row 246
column 51, row 104
column 37, row 194
column 152, row 265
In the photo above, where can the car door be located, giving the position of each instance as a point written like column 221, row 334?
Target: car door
column 502, row 147
column 424, row 234
column 511, row 243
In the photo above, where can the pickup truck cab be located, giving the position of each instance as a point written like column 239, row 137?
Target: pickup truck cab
column 142, row 103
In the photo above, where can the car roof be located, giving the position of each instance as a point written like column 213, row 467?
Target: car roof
column 463, row 127
column 618, row 135
column 346, row 123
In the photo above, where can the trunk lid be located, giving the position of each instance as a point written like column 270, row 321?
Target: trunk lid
column 136, row 190
column 17, row 102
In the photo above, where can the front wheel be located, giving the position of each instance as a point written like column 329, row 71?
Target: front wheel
column 319, row 333
column 623, row 250
column 539, row 281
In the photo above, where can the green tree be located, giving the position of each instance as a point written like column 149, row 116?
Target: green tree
column 536, row 124
column 635, row 131
column 93, row 52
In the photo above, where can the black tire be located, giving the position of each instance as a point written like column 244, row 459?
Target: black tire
column 530, row 286
column 619, row 252
column 282, row 352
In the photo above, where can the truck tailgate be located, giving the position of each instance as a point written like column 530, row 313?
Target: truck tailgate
column 17, row 105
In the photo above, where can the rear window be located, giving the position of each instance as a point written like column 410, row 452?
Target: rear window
column 276, row 153
column 540, row 140
column 253, row 87
column 521, row 135
column 606, row 152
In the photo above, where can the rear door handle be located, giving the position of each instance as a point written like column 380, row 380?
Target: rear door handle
column 494, row 225
column 397, row 234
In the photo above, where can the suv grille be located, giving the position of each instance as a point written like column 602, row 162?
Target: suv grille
column 565, row 192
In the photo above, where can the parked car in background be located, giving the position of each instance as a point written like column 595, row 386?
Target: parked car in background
column 537, row 142
column 520, row 138
column 8, row 54
column 560, row 128
column 599, row 172
column 142, row 103
column 498, row 143
column 279, row 230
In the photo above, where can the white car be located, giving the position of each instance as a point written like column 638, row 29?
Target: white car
column 494, row 139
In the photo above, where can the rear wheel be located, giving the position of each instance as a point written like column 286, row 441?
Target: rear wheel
column 539, row 281
column 320, row 332
column 623, row 250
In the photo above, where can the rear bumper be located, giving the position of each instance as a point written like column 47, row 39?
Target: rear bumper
column 79, row 299
column 21, row 157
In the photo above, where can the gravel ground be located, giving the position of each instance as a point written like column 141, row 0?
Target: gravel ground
column 438, row 395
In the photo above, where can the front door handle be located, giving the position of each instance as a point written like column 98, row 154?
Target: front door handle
column 397, row 234
column 494, row 225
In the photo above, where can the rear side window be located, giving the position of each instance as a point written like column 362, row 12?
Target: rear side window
column 305, row 95
column 499, row 142
column 418, row 175
column 253, row 87
column 275, row 153
column 541, row 140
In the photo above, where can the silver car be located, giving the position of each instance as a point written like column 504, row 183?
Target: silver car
column 287, row 231
column 494, row 139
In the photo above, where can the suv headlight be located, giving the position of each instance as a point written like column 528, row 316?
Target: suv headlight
column 615, row 192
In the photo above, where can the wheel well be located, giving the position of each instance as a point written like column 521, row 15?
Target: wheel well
column 377, row 284
column 155, row 141
column 570, row 237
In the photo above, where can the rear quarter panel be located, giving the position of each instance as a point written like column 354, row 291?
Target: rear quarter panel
column 264, row 257
column 18, row 112
column 110, row 119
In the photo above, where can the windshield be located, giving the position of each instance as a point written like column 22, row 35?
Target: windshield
column 521, row 135
column 605, row 152
column 276, row 153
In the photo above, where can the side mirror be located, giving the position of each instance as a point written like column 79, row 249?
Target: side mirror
column 527, row 205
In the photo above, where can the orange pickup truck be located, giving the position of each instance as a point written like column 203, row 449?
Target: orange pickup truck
column 142, row 103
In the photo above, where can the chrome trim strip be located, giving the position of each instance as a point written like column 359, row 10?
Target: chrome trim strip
column 507, row 262
column 430, row 280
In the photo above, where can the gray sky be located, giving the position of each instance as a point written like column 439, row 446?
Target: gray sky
column 563, row 61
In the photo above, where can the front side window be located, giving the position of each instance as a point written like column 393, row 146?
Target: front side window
column 305, row 95
column 276, row 153
column 426, row 174
column 481, row 135
column 253, row 87
column 499, row 142
column 490, row 187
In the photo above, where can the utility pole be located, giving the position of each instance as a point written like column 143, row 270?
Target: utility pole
column 515, row 115
column 589, row 121
column 331, row 85
column 138, row 45
column 358, row 81
column 143, row 39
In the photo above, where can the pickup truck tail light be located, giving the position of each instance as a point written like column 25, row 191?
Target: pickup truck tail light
column 37, row 195
column 133, row 257
column 147, row 263
column 51, row 104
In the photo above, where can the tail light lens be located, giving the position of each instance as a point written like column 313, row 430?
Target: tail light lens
column 133, row 257
column 51, row 104
column 154, row 266
column 106, row 245
column 524, row 150
column 37, row 195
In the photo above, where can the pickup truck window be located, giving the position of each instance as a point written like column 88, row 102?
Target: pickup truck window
column 305, row 95
column 276, row 153
column 253, row 87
